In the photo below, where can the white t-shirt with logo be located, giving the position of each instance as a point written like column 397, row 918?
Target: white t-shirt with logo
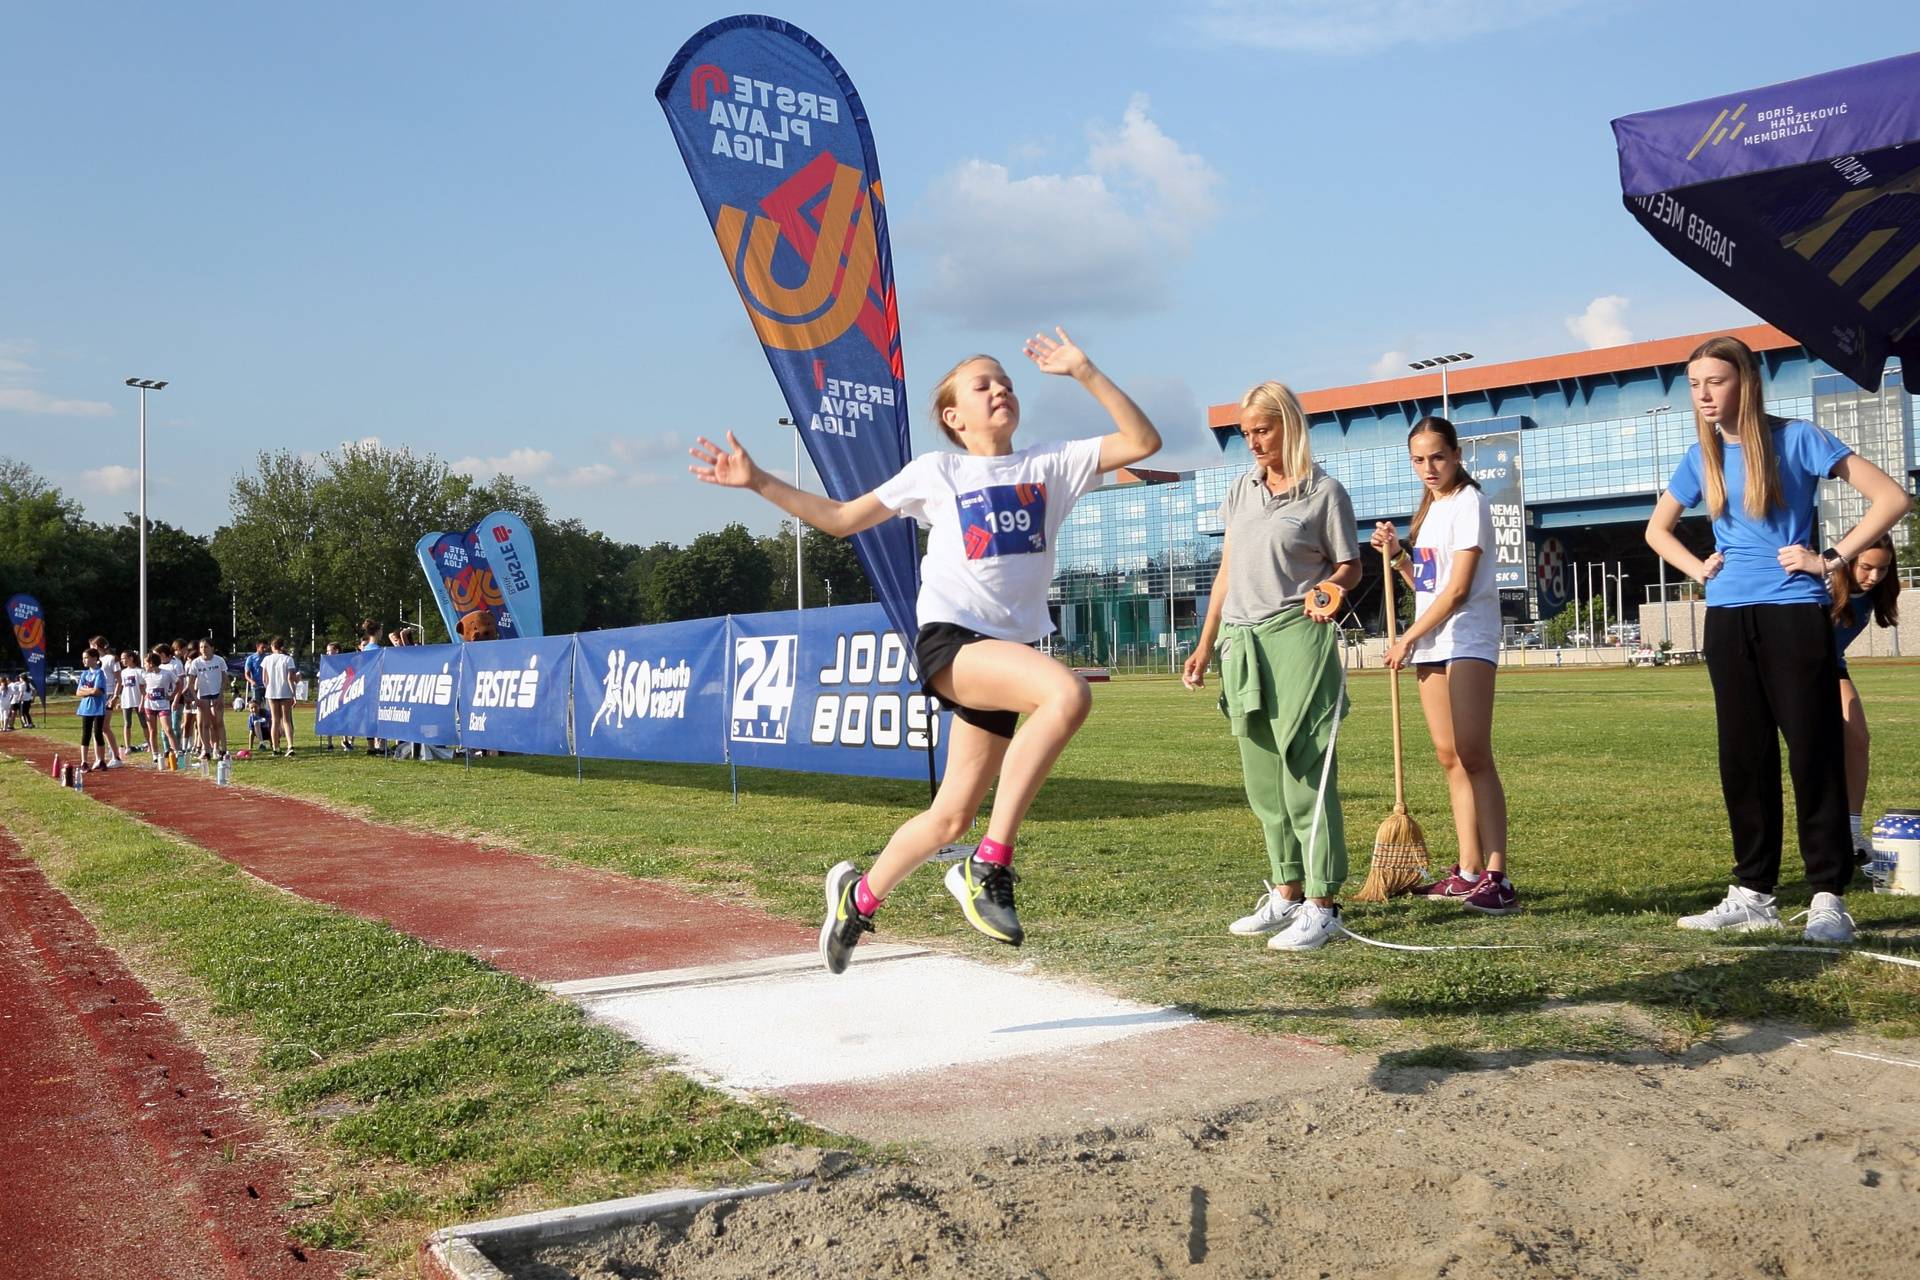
column 209, row 674
column 160, row 686
column 993, row 528
column 1461, row 521
column 132, row 683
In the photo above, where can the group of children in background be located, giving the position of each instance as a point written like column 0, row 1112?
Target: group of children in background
column 1779, row 617
column 16, row 702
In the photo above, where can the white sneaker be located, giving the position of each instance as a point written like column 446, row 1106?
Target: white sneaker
column 1742, row 911
column 1827, row 919
column 1313, row 927
column 1270, row 915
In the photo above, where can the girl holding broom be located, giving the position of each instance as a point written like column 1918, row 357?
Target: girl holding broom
column 1769, row 641
column 1289, row 553
column 1454, row 646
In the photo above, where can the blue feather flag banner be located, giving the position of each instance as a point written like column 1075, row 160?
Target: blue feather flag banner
column 778, row 146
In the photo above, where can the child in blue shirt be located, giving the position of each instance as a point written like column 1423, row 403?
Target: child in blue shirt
column 1769, row 641
column 1865, row 591
column 92, row 691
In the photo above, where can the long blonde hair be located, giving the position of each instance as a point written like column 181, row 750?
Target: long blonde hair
column 1276, row 400
column 1756, row 435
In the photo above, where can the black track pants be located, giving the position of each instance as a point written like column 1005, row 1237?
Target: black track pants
column 1775, row 675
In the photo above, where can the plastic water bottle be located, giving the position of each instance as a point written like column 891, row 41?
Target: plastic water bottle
column 80, row 780
column 223, row 772
column 1895, row 866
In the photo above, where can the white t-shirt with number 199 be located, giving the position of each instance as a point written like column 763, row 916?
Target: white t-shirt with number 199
column 993, row 525
column 1461, row 521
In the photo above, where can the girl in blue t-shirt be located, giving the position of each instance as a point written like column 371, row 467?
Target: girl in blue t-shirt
column 1769, row 641
column 92, row 692
column 1866, row 590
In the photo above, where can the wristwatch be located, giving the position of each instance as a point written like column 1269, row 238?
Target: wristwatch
column 1832, row 558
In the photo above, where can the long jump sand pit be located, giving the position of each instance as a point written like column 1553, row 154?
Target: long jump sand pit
column 1760, row 1155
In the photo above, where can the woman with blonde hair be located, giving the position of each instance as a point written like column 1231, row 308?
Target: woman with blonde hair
column 1289, row 553
column 1769, row 641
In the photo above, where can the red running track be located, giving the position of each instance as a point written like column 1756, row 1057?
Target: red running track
column 120, row 1155
column 540, row 920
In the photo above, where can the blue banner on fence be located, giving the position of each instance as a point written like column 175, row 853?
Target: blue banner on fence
column 343, row 706
column 414, row 701
column 829, row 691
column 513, row 695
column 780, row 151
column 652, row 693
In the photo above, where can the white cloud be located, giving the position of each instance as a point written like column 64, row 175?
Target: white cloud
column 520, row 463
column 1346, row 27
column 591, row 476
column 1602, row 324
column 1391, row 364
column 668, row 444
column 111, row 479
column 27, row 400
column 1015, row 251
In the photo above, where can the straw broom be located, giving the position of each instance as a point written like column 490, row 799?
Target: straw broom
column 1400, row 848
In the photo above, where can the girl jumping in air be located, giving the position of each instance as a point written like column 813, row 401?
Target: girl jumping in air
column 1769, row 641
column 994, row 514
column 1863, row 591
column 1454, row 644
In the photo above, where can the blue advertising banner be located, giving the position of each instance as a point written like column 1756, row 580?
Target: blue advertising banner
column 1797, row 200
column 1494, row 460
column 652, row 693
column 463, row 581
column 414, row 699
column 30, row 629
column 513, row 695
column 829, row 691
column 509, row 550
column 779, row 148
column 343, row 705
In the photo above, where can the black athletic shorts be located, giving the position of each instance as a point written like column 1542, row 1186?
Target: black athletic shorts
column 933, row 652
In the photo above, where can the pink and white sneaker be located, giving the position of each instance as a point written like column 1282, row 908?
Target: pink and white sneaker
column 1452, row 886
column 1493, row 896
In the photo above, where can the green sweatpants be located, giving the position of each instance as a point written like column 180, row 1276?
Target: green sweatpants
column 1282, row 689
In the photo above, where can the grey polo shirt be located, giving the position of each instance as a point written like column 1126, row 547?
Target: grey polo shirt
column 1280, row 546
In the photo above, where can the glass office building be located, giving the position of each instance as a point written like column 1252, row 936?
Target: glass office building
column 1599, row 433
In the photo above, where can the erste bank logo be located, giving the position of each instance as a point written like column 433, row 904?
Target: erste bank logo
column 764, row 671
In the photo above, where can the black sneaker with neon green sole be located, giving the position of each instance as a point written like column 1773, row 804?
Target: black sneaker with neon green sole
column 844, row 924
column 985, row 893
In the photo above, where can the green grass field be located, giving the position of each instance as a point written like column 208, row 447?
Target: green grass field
column 1141, row 848
column 423, row 1088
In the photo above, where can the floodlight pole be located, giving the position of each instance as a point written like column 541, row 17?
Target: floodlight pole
column 144, row 385
column 799, row 580
column 1666, row 623
column 1441, row 363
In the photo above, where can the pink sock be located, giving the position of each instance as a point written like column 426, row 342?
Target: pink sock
column 993, row 851
column 863, row 900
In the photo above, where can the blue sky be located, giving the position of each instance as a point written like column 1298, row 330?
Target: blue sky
column 464, row 228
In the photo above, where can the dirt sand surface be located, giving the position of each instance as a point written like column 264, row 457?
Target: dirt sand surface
column 1758, row 1156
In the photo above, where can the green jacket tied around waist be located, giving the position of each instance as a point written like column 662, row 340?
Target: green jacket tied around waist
column 1287, row 671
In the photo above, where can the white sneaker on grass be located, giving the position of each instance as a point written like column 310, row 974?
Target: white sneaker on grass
column 1313, row 927
column 1741, row 911
column 1827, row 919
column 1270, row 915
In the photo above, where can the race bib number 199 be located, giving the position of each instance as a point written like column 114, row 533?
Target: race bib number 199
column 1004, row 520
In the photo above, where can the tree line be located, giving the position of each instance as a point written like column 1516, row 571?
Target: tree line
column 316, row 543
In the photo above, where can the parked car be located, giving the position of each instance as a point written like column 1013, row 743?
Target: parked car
column 63, row 679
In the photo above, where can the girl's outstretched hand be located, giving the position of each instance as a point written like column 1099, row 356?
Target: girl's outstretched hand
column 730, row 466
column 1063, row 357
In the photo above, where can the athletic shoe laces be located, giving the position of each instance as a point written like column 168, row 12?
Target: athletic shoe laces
column 997, row 882
column 1817, row 916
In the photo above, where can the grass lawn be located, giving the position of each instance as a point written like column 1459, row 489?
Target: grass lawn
column 1141, row 848
column 410, row 1087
